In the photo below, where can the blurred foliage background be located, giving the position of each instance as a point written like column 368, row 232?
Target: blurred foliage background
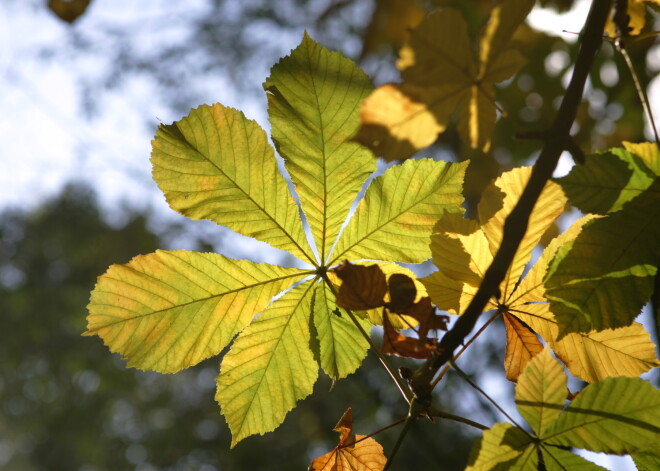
column 67, row 404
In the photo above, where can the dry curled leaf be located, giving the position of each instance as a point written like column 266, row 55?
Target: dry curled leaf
column 353, row 453
column 363, row 286
column 395, row 343
column 68, row 10
column 402, row 293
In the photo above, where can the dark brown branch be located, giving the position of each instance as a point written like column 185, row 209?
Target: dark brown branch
column 516, row 224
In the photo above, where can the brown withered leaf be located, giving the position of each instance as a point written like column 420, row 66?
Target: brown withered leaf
column 68, row 10
column 363, row 286
column 402, row 293
column 395, row 343
column 353, row 453
column 521, row 346
column 428, row 320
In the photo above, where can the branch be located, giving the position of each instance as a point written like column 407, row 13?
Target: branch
column 516, row 224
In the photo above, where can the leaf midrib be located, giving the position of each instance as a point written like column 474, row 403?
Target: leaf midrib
column 189, row 303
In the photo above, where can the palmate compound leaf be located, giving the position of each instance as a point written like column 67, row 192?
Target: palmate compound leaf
column 439, row 75
column 603, row 278
column 616, row 415
column 169, row 310
column 462, row 251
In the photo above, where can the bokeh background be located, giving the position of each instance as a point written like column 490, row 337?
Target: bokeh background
column 84, row 85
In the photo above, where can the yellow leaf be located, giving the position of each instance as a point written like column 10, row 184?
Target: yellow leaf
column 394, row 219
column 448, row 294
column 353, row 453
column 312, row 106
column 541, row 391
column 521, row 346
column 170, row 310
column 648, row 152
column 269, row 367
column 212, row 165
column 497, row 202
column 396, row 121
column 440, row 73
column 460, row 249
column 637, row 14
column 593, row 356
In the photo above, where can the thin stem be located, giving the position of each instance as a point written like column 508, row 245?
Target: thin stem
column 641, row 93
column 387, row 427
column 399, row 440
column 456, row 418
column 464, row 347
column 403, row 388
column 484, row 394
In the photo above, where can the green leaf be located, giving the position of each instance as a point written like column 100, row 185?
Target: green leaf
column 558, row 459
column 167, row 311
column 313, row 103
column 398, row 212
column 606, row 181
column 270, row 366
column 342, row 347
column 541, row 392
column 215, row 164
column 605, row 275
column 616, row 415
column 648, row 459
column 503, row 447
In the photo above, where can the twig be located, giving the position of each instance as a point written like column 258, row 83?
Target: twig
column 516, row 223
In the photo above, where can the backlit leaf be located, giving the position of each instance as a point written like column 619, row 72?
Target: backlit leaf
column 395, row 343
column 216, row 164
column 354, row 452
column 269, row 367
column 399, row 209
column 521, row 346
column 541, row 392
column 342, row 347
column 504, row 446
column 547, row 209
column 616, row 415
column 440, row 73
column 172, row 309
column 462, row 252
column 648, row 459
column 592, row 356
column 558, row 459
column 606, row 181
column 604, row 277
column 313, row 104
